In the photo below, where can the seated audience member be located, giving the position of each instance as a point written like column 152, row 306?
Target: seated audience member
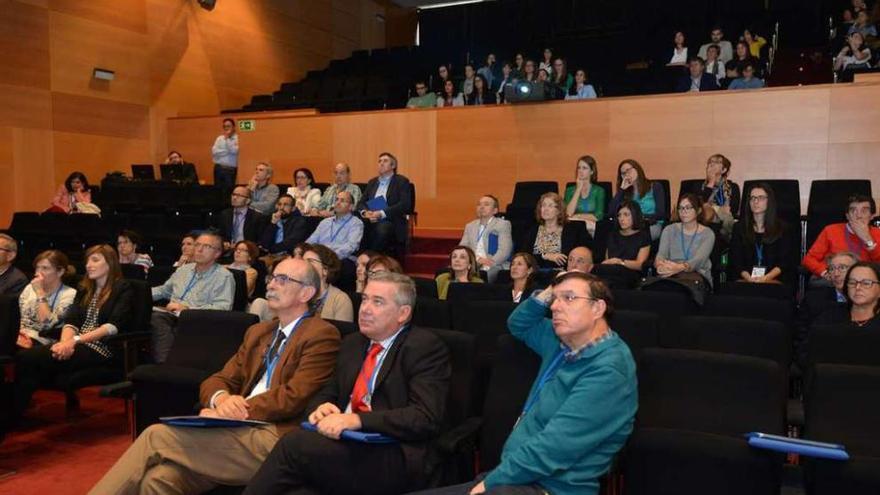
column 580, row 259
column 442, row 76
column 522, row 275
column 720, row 196
column 685, row 246
column 547, row 60
column 382, row 263
column 754, row 41
column 12, row 280
column 239, row 222
column 200, row 285
column 714, row 65
column 558, row 445
column 863, row 294
column 284, row 230
column 823, row 304
column 741, row 58
column 449, row 98
column 186, row 249
column 628, row 248
column 580, row 90
column 45, row 300
column 341, row 233
column 72, row 194
column 505, row 80
column 679, row 53
column 518, row 69
column 696, row 79
column 244, row 254
column 385, row 219
column 174, row 158
column 405, row 401
column 762, row 249
column 854, row 55
column 632, row 184
column 863, row 26
column 127, row 243
column 560, row 76
column 278, row 368
column 856, row 236
column 331, row 303
column 462, row 269
column 306, row 197
column 264, row 194
column 422, row 98
column 467, row 86
column 490, row 71
column 341, row 182
column 224, row 154
column 725, row 49
column 489, row 237
column 585, row 200
column 361, row 262
column 103, row 307
column 481, row 95
column 529, row 73
column 748, row 79
column 553, row 235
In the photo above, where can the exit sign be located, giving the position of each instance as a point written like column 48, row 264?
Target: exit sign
column 247, row 125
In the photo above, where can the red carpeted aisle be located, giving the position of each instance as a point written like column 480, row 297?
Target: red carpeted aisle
column 56, row 454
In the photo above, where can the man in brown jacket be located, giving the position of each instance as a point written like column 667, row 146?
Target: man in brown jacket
column 271, row 378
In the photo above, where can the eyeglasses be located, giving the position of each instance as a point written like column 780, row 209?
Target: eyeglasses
column 199, row 245
column 236, row 195
column 242, row 249
column 838, row 268
column 7, row 250
column 568, row 298
column 301, row 177
column 866, row 283
column 757, row 198
column 282, row 279
column 685, row 208
column 625, row 171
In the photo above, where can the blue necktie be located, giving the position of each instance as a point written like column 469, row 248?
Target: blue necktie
column 236, row 227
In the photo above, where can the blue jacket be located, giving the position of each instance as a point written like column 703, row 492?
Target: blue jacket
column 581, row 418
column 708, row 82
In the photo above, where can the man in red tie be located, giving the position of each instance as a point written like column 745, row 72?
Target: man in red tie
column 389, row 379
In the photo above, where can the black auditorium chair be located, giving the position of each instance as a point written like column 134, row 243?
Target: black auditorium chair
column 431, row 312
column 768, row 291
column 669, row 306
column 521, row 210
column 746, row 337
column 843, row 343
column 10, row 322
column 425, row 287
column 639, row 329
column 205, row 340
column 694, row 408
column 788, row 199
column 828, row 203
column 159, row 274
column 133, row 272
column 842, row 407
column 755, row 308
column 240, row 300
column 344, row 327
column 460, row 292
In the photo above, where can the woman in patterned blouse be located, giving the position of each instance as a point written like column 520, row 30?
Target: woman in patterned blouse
column 103, row 307
column 553, row 236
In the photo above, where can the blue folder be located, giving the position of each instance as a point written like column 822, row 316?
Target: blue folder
column 378, row 203
column 203, row 422
column 788, row 445
column 355, row 436
column 492, row 244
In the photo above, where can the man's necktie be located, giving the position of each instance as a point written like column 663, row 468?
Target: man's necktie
column 360, row 400
column 279, row 233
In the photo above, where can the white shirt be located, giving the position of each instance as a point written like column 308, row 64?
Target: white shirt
column 380, row 358
column 679, row 57
column 482, row 235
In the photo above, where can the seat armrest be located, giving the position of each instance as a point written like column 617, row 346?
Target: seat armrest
column 120, row 390
column 461, row 436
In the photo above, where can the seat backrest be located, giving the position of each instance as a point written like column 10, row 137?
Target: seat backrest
column 527, row 193
column 25, row 222
column 667, row 194
column 142, row 306
column 766, row 291
column 431, row 313
column 344, row 327
column 788, row 199
column 425, row 287
column 842, row 406
column 513, row 372
column 460, row 292
column 459, row 405
column 207, row 338
column 757, row 338
column 240, row 300
column 159, row 274
column 486, row 321
column 133, row 272
column 694, row 186
column 830, row 196
column 756, row 308
column 639, row 329
column 669, row 306
column 10, row 322
column 709, row 392
column 843, row 343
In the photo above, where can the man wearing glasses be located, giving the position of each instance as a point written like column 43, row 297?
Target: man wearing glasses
column 200, row 285
column 12, row 280
column 856, row 236
column 278, row 368
column 423, row 99
column 240, row 222
column 822, row 303
column 580, row 410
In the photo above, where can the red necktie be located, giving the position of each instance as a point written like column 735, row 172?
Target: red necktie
column 361, row 385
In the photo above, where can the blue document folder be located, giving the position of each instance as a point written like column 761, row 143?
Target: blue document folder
column 355, row 436
column 203, row 422
column 492, row 244
column 809, row 448
column 378, row 203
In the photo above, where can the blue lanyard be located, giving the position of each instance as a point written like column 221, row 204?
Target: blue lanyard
column 333, row 235
column 483, row 230
column 545, row 377
column 189, row 286
column 55, row 298
column 759, row 253
column 687, row 250
column 321, row 301
column 270, row 363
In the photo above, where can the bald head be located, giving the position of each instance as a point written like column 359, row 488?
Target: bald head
column 580, row 259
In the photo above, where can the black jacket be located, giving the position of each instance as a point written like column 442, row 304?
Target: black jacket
column 707, row 83
column 296, row 230
column 399, row 199
column 254, row 223
column 117, row 309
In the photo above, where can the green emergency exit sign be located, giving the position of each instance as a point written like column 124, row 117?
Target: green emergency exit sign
column 247, row 125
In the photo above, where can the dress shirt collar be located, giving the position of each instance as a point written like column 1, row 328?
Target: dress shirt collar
column 343, row 218
column 287, row 329
column 387, row 343
column 385, row 180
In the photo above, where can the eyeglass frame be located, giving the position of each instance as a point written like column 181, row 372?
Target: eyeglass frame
column 282, row 279
column 866, row 283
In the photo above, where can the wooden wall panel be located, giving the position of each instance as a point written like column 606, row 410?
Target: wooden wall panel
column 87, row 115
column 34, row 171
column 96, row 155
column 855, row 113
column 125, row 14
column 24, row 43
column 7, row 168
column 772, row 116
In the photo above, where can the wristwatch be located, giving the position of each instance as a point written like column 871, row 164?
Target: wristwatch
column 76, row 339
column 870, row 245
column 43, row 299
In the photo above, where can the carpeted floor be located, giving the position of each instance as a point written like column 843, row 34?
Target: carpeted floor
column 53, row 453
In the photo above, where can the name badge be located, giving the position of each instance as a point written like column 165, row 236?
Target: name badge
column 758, row 271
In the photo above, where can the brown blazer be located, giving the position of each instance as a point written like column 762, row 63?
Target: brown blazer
column 305, row 365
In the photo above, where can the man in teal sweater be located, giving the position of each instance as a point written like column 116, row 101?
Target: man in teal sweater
column 580, row 409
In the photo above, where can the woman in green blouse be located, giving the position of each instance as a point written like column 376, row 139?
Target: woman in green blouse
column 585, row 200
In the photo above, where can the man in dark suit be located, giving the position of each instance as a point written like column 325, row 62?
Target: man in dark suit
column 240, row 222
column 278, row 368
column 389, row 379
column 284, row 230
column 697, row 79
column 382, row 227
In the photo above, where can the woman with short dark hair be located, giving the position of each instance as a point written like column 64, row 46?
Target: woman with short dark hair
column 863, row 293
column 331, row 303
column 73, row 192
column 244, row 254
column 523, row 267
column 127, row 243
column 627, row 249
column 306, row 197
column 44, row 301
